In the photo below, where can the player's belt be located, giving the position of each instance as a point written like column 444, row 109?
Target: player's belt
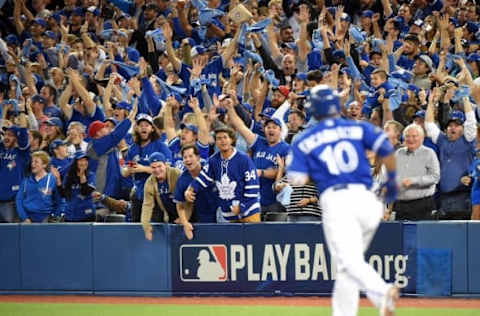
column 343, row 186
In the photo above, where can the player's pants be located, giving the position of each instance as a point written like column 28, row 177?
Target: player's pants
column 351, row 215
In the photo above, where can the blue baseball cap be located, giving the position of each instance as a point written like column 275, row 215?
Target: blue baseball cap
column 345, row 17
column 12, row 39
column 78, row 11
column 56, row 143
column 79, row 154
column 191, row 127
column 290, row 45
column 111, row 119
column 456, row 116
column 268, row 112
column 301, row 76
column 367, row 13
column 93, row 9
column 55, row 121
column 51, row 34
column 39, row 98
column 57, row 17
column 14, row 129
column 338, row 54
column 40, row 22
column 157, row 157
column 144, row 117
column 122, row 105
column 420, row 114
column 274, row 120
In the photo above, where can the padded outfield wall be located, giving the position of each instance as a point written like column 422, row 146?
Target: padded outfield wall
column 426, row 258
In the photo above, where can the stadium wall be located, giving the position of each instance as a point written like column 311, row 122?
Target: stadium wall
column 425, row 258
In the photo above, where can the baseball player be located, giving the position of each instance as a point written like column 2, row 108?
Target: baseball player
column 332, row 153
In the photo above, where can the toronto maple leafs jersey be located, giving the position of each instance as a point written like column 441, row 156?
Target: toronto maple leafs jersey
column 13, row 163
column 265, row 157
column 332, row 153
column 236, row 182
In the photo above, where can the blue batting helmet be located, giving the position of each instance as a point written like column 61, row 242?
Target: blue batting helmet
column 323, row 101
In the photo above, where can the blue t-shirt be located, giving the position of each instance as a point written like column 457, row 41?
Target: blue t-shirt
column 167, row 199
column 205, row 206
column 141, row 155
column 332, row 152
column 265, row 157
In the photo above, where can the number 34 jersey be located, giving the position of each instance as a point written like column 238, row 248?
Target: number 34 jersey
column 333, row 152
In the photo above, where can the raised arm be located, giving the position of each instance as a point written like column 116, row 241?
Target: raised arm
column 172, row 57
column 169, row 124
column 237, row 122
column 63, row 101
column 75, row 79
column 203, row 132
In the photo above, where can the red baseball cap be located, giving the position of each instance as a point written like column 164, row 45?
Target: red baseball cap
column 284, row 90
column 94, row 128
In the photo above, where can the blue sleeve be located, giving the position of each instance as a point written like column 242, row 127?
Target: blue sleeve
column 178, row 29
column 104, row 144
column 251, row 193
column 353, row 68
column 204, row 179
column 376, row 140
column 19, row 201
column 184, row 74
column 153, row 102
column 123, row 5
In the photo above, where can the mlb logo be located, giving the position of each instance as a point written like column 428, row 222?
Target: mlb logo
column 203, row 263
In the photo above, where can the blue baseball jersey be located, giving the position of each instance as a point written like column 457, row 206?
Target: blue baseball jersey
column 81, row 206
column 332, row 153
column 177, row 159
column 475, row 174
column 265, row 157
column 205, row 205
column 236, row 182
column 13, row 163
column 141, row 155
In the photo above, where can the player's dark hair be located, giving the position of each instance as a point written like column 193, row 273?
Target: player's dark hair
column 315, row 75
column 190, row 146
column 231, row 133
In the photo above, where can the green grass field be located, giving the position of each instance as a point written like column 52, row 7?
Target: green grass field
column 40, row 309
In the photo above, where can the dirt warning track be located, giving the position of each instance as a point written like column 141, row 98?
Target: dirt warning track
column 275, row 301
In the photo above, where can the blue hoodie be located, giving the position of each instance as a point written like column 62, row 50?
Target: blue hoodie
column 80, row 206
column 38, row 199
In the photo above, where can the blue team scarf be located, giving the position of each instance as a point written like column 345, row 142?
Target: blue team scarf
column 127, row 71
column 356, row 34
column 18, row 89
column 169, row 89
column 270, row 76
column 158, row 38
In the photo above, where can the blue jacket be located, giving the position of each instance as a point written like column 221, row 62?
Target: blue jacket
column 38, row 199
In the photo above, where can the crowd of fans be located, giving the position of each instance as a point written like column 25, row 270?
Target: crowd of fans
column 184, row 111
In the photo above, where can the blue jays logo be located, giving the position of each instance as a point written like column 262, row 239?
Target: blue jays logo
column 203, row 263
